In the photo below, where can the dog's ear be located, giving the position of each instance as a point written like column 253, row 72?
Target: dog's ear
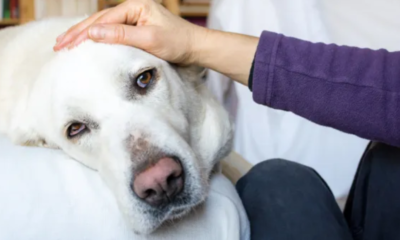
column 213, row 133
column 30, row 140
column 213, row 129
column 191, row 73
column 38, row 143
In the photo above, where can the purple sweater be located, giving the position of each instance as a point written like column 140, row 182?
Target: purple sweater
column 353, row 90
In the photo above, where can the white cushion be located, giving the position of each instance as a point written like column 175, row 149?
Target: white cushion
column 47, row 195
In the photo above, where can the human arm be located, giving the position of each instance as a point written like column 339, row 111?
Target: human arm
column 353, row 90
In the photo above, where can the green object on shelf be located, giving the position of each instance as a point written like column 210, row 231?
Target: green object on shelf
column 6, row 9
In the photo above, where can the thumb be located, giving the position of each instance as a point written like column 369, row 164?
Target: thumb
column 119, row 34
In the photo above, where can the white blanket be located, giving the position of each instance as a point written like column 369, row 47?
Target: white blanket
column 263, row 133
column 45, row 195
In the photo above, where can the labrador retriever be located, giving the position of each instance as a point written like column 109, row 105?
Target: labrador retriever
column 151, row 129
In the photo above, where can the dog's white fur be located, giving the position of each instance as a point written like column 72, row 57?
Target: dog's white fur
column 42, row 91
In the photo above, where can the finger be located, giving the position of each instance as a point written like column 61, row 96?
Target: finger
column 65, row 38
column 82, row 36
column 126, row 13
column 59, row 38
column 140, row 36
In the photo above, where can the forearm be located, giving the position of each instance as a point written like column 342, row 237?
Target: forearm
column 350, row 89
column 228, row 53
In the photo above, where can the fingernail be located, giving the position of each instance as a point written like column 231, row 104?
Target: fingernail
column 56, row 47
column 60, row 38
column 97, row 32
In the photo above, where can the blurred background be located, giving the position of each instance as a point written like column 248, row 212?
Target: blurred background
column 13, row 12
column 263, row 133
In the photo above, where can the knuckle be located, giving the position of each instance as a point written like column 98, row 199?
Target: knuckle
column 146, row 7
column 119, row 34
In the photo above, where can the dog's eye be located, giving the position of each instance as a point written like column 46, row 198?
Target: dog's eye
column 144, row 79
column 75, row 129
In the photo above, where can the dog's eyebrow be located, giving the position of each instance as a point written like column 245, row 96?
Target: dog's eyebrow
column 91, row 124
column 79, row 116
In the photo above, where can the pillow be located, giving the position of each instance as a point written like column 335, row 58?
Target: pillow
column 47, row 195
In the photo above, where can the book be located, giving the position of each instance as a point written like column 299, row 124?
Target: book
column 6, row 9
column 14, row 9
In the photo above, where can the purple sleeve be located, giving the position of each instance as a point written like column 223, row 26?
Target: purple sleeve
column 353, row 90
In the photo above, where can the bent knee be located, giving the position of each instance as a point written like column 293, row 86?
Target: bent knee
column 276, row 169
column 277, row 174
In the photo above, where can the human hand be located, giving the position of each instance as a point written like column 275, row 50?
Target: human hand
column 144, row 24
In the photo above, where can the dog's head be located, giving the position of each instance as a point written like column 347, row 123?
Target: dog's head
column 151, row 129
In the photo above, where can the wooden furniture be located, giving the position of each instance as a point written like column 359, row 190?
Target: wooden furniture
column 172, row 5
column 27, row 10
column 175, row 6
column 26, row 14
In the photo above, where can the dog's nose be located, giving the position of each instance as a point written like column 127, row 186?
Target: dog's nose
column 160, row 183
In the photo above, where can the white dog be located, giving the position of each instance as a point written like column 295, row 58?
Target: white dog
column 151, row 129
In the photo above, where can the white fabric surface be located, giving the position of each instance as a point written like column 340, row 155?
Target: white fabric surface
column 263, row 133
column 47, row 196
column 364, row 23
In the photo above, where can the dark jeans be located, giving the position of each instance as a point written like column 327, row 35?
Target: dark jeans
column 285, row 200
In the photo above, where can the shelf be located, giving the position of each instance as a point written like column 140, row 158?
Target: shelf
column 195, row 4
column 113, row 2
column 8, row 22
column 194, row 9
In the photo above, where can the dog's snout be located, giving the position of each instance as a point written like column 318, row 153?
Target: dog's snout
column 160, row 183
